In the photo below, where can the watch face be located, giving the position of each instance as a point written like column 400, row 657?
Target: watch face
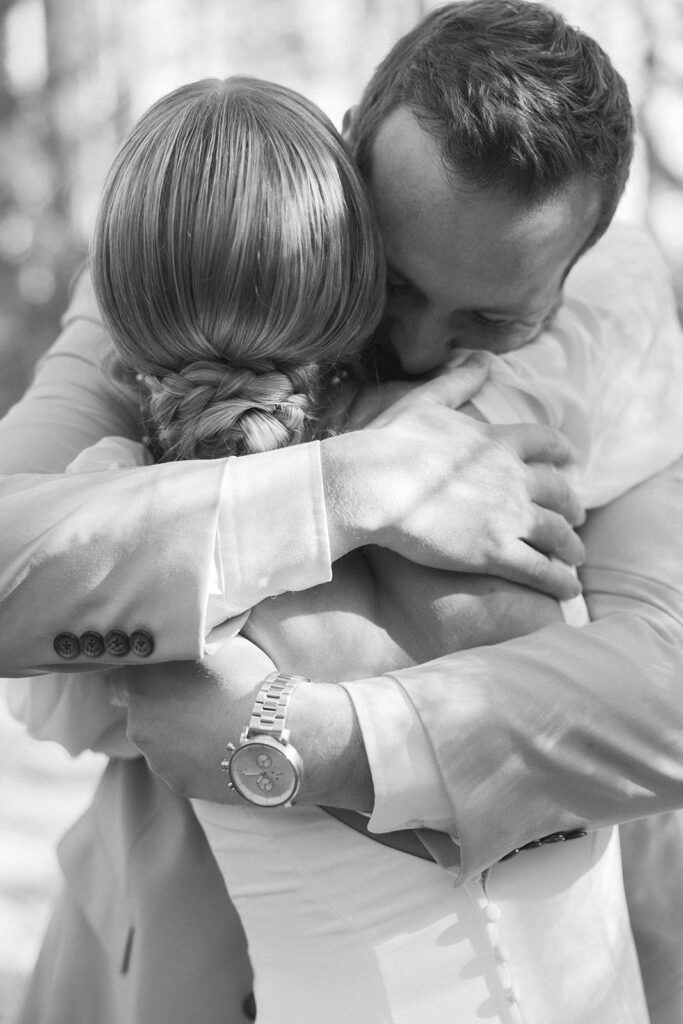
column 262, row 773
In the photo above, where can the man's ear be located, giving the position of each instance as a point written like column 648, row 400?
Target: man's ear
column 347, row 123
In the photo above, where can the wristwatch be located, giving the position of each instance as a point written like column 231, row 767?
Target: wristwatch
column 264, row 767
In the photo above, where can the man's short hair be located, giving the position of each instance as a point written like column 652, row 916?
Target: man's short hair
column 517, row 100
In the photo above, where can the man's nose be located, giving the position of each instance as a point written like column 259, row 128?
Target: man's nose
column 421, row 343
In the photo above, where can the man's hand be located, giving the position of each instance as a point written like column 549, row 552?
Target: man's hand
column 182, row 715
column 447, row 491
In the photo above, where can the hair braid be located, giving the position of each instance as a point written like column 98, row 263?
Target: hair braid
column 208, row 408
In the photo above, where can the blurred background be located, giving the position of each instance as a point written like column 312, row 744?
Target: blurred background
column 74, row 75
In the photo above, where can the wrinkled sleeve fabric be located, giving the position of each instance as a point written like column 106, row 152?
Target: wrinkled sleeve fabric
column 408, row 786
column 131, row 547
column 137, row 548
column 569, row 728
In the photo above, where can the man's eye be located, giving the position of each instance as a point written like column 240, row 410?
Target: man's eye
column 492, row 321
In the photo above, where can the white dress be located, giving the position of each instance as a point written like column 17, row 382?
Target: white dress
column 343, row 930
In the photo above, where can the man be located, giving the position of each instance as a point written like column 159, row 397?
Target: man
column 461, row 256
column 470, row 771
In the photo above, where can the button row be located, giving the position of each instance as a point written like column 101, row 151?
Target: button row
column 492, row 914
column 92, row 644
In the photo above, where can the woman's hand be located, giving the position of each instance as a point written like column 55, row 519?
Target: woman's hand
column 182, row 715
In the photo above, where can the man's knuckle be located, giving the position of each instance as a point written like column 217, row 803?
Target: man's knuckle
column 559, row 448
column 558, row 486
column 524, row 515
column 537, row 567
column 559, row 530
column 564, row 493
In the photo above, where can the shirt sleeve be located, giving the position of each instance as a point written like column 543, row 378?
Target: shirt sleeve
column 409, row 790
column 272, row 530
column 567, row 728
column 293, row 538
column 284, row 547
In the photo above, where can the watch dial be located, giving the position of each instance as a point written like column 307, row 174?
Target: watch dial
column 263, row 775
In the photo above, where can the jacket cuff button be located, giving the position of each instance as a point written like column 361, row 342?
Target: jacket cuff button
column 92, row 644
column 117, row 643
column 67, row 646
column 141, row 643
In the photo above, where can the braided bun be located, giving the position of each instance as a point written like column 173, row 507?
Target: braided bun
column 236, row 262
column 209, row 410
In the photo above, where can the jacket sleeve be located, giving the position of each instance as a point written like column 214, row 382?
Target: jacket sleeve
column 134, row 553
column 570, row 728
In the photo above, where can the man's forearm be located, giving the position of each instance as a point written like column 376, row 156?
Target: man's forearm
column 134, row 549
column 561, row 729
column 143, row 549
column 571, row 727
column 328, row 736
column 182, row 716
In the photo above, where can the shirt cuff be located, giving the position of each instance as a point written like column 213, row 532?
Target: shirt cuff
column 272, row 529
column 409, row 791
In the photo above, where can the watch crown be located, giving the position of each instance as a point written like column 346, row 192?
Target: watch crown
column 225, row 763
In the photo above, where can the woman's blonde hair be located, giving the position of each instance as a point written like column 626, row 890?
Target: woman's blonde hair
column 236, row 263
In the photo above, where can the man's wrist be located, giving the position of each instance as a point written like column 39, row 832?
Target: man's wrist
column 271, row 528
column 409, row 790
column 324, row 729
column 264, row 767
column 352, row 465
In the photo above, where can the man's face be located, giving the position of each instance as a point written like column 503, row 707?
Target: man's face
column 466, row 268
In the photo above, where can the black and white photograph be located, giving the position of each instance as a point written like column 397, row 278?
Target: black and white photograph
column 341, row 512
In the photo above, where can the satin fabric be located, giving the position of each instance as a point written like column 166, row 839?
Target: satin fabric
column 342, row 929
